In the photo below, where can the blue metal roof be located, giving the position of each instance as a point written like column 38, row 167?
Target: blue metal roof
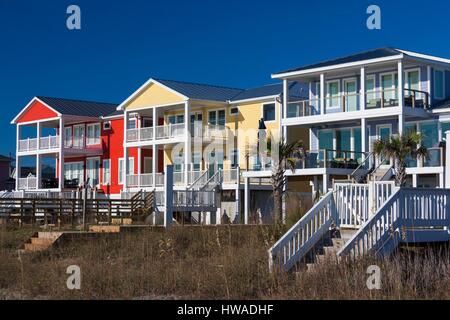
column 201, row 91
column 366, row 55
column 296, row 89
column 80, row 107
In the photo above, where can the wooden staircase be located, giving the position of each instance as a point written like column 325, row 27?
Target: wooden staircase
column 330, row 247
column 40, row 241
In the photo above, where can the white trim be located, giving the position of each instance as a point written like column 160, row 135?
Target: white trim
column 254, row 99
column 14, row 121
column 144, row 86
column 336, row 66
column 424, row 56
column 434, row 83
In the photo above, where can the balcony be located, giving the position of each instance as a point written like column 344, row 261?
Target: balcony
column 376, row 99
column 46, row 143
column 325, row 158
column 145, row 180
column 209, row 132
column 171, row 131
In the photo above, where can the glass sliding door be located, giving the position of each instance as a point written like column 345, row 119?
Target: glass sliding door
column 93, row 171
column 351, row 96
column 343, row 143
column 325, row 146
column 430, row 140
column 384, row 133
column 332, row 95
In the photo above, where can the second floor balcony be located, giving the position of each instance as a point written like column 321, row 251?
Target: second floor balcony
column 43, row 143
column 344, row 103
column 176, row 132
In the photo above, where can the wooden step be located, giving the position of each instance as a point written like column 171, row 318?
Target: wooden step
column 105, row 229
column 49, row 235
column 32, row 247
column 124, row 221
column 43, row 241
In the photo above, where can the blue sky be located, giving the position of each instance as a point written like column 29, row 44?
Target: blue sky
column 235, row 43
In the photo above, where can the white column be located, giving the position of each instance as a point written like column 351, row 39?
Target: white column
column 284, row 109
column 238, row 196
column 18, row 129
column 155, row 122
column 38, row 157
column 125, row 152
column 187, row 143
column 325, row 183
column 322, row 93
column 154, row 162
column 447, row 162
column 61, row 153
column 441, row 181
column 401, row 97
column 246, row 199
column 363, row 136
column 429, row 84
column 414, row 180
column 139, row 162
column 362, row 97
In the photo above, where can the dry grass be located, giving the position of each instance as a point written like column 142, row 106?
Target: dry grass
column 205, row 263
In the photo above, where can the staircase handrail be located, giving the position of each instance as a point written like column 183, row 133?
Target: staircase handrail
column 305, row 234
column 384, row 220
column 213, row 178
column 362, row 163
column 191, row 186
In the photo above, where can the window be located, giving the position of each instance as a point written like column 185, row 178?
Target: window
column 147, row 123
column 371, row 96
column 178, row 161
column 121, row 173
column 216, row 117
column 74, row 170
column 196, row 161
column 93, row 134
column 333, row 94
column 93, row 171
column 388, row 87
column 412, row 81
column 234, row 158
column 106, row 171
column 131, row 123
column 269, row 112
column 343, row 142
column 68, row 137
column 78, row 136
column 175, row 119
column 439, row 84
column 234, row 111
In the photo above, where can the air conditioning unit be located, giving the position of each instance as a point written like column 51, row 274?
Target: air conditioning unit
column 106, row 125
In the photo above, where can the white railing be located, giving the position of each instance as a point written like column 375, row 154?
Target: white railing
column 159, row 180
column 178, row 177
column 304, row 235
column 193, row 198
column 193, row 176
column 132, row 135
column 199, row 182
column 29, row 144
column 406, row 208
column 382, row 190
column 133, row 180
column 50, row 142
column 230, row 176
column 352, row 203
column 28, row 183
column 170, row 131
column 146, row 179
column 142, row 134
column 210, row 132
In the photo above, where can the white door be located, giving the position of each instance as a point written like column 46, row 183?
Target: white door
column 78, row 136
column 93, row 171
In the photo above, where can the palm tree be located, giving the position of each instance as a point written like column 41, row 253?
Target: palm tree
column 283, row 156
column 400, row 148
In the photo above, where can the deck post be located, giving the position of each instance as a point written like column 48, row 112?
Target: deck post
column 168, row 196
column 187, row 142
column 237, row 195
column 401, row 97
column 246, row 199
column 322, row 94
column 447, row 161
column 61, row 154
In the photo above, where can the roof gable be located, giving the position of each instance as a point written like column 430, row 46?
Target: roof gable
column 34, row 111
